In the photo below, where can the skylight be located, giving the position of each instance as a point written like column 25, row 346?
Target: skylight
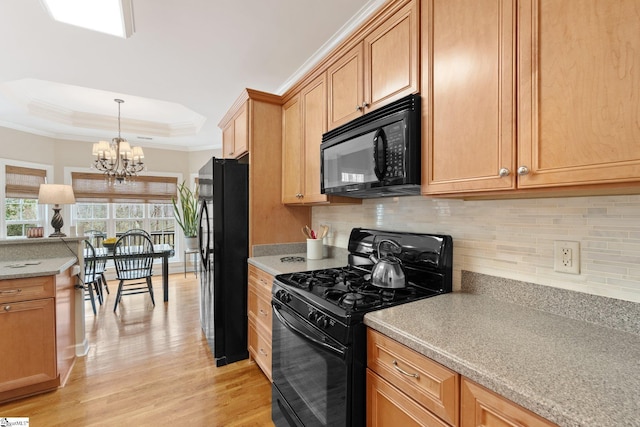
column 113, row 17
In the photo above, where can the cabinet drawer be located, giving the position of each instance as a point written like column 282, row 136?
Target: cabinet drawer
column 427, row 382
column 259, row 307
column 262, row 280
column 388, row 406
column 260, row 348
column 27, row 289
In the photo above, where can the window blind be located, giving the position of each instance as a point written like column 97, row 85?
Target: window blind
column 93, row 187
column 23, row 183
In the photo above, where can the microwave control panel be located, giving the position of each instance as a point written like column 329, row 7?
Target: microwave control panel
column 394, row 150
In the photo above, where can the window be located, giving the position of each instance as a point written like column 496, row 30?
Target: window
column 21, row 200
column 21, row 214
column 144, row 203
column 92, row 216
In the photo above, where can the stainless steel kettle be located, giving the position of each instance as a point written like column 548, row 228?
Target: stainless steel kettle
column 387, row 272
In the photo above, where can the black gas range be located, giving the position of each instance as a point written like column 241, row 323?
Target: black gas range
column 319, row 339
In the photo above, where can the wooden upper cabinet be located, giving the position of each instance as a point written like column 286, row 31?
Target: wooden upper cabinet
column 346, row 87
column 391, row 58
column 579, row 92
column 314, row 117
column 292, row 166
column 468, row 107
column 235, row 137
column 575, row 93
column 383, row 67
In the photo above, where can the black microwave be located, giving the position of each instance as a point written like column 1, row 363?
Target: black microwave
column 375, row 155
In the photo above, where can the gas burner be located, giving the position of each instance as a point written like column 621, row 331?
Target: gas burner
column 292, row 259
column 352, row 300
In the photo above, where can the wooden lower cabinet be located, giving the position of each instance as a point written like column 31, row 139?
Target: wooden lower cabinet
column 483, row 408
column 406, row 388
column 38, row 336
column 259, row 313
column 388, row 406
column 416, row 378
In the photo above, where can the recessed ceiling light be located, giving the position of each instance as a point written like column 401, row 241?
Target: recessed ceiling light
column 113, row 17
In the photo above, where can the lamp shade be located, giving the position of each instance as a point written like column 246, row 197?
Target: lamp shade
column 56, row 194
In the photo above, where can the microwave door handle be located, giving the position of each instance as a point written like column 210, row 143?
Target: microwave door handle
column 379, row 154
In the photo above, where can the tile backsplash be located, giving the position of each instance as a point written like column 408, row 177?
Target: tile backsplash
column 514, row 239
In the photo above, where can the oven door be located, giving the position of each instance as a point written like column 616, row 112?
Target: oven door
column 310, row 373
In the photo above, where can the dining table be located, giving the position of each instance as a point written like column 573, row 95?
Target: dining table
column 163, row 250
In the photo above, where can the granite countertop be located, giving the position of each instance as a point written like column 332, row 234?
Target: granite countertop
column 34, row 268
column 273, row 264
column 571, row 372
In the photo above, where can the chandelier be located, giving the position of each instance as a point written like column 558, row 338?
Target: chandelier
column 117, row 159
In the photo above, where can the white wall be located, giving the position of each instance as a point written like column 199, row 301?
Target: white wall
column 514, row 238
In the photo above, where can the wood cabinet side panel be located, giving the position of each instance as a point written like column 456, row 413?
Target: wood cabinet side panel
column 65, row 323
column 269, row 220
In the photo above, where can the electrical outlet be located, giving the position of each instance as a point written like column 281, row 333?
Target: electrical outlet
column 566, row 257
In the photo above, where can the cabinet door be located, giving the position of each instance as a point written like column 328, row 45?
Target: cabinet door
column 227, row 141
column 468, row 95
column 241, row 132
column 480, row 407
column 28, row 357
column 579, row 93
column 346, row 87
column 388, row 406
column 314, row 119
column 391, row 54
column 292, row 165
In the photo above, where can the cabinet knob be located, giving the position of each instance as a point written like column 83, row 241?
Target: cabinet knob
column 7, row 307
column 523, row 170
column 358, row 108
column 504, row 172
column 365, row 105
column 230, row 154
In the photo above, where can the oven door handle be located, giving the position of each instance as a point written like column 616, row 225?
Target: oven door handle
column 318, row 341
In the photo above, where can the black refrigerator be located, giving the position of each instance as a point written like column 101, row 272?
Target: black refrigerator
column 224, row 248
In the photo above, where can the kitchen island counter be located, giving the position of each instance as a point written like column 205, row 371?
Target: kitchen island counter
column 35, row 267
column 567, row 370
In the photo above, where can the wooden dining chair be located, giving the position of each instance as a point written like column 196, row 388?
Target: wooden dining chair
column 133, row 258
column 96, row 237
column 92, row 282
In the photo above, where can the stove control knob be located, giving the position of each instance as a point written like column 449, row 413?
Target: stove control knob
column 322, row 321
column 313, row 316
column 283, row 296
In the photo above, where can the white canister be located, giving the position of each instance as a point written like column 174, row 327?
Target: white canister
column 314, row 248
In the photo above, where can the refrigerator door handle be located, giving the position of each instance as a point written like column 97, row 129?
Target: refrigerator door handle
column 204, row 245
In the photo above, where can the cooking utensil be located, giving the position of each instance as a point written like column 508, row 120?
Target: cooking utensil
column 308, row 231
column 324, row 231
column 387, row 272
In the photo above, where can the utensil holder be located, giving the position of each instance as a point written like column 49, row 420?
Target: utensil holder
column 314, row 248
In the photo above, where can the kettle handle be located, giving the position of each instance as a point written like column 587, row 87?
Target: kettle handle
column 387, row 241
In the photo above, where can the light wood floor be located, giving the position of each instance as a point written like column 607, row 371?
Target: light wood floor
column 151, row 366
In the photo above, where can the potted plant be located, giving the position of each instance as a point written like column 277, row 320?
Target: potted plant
column 185, row 210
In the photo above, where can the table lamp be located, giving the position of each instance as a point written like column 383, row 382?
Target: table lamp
column 56, row 195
